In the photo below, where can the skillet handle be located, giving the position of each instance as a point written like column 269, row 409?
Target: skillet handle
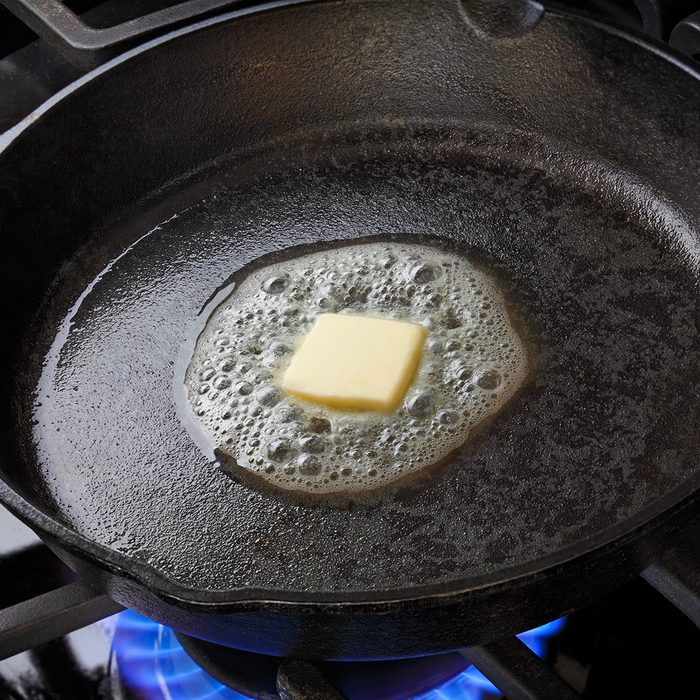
column 686, row 36
column 87, row 47
column 660, row 16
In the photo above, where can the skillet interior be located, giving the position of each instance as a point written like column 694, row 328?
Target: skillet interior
column 603, row 266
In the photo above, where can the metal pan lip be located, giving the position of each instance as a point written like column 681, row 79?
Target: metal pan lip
column 682, row 500
column 558, row 10
column 244, row 599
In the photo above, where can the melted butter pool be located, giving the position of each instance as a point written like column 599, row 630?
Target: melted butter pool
column 473, row 363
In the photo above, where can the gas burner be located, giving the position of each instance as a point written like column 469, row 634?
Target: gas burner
column 155, row 663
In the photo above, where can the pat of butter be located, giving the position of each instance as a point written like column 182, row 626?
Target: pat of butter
column 356, row 362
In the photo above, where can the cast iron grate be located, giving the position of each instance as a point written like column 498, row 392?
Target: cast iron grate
column 507, row 663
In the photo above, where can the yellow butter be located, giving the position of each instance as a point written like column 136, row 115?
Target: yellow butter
column 356, row 362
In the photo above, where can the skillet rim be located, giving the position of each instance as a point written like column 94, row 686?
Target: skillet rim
column 684, row 498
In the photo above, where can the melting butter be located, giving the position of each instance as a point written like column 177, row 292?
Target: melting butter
column 472, row 364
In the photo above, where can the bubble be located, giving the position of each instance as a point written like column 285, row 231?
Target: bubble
column 464, row 373
column 275, row 284
column 399, row 448
column 280, row 349
column 248, row 341
column 422, row 273
column 244, row 388
column 434, row 345
column 419, row 404
column 450, row 319
column 488, row 379
column 268, row 395
column 447, row 417
column 309, row 465
column 319, row 425
column 259, row 375
column 254, row 348
column 332, row 291
column 278, row 449
column 312, row 443
column 286, row 413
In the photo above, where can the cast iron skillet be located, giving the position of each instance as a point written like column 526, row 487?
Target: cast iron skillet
column 562, row 154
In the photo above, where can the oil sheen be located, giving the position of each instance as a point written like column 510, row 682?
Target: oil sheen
column 473, row 362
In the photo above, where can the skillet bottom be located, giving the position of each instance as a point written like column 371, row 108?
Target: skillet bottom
column 609, row 303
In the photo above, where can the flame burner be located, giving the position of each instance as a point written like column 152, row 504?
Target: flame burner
column 151, row 662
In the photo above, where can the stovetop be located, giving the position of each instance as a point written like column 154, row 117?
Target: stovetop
column 641, row 641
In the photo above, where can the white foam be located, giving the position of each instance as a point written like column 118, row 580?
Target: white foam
column 472, row 365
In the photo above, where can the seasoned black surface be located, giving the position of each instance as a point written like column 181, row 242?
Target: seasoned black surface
column 609, row 305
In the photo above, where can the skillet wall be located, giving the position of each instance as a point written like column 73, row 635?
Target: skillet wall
column 162, row 114
column 167, row 111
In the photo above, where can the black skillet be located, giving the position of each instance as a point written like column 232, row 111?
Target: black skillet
column 561, row 153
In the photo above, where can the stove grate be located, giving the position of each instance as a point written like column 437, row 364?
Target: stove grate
column 508, row 663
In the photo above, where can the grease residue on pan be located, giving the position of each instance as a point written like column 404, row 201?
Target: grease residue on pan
column 590, row 442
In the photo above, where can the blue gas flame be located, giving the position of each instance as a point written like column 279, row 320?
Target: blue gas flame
column 471, row 684
column 152, row 662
